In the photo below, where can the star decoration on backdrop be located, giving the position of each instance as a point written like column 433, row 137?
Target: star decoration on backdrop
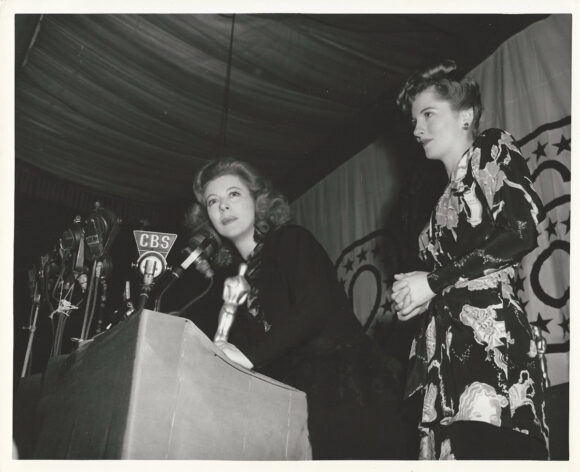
column 519, row 283
column 540, row 151
column 542, row 323
column 348, row 265
column 362, row 255
column 551, row 228
column 566, row 223
column 565, row 324
column 563, row 145
column 524, row 305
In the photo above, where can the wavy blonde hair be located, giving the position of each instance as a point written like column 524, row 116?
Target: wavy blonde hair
column 271, row 207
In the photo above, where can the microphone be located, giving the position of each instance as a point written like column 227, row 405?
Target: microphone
column 72, row 237
column 202, row 245
column 149, row 275
column 100, row 229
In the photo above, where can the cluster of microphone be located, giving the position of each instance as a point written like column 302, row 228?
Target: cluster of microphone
column 73, row 276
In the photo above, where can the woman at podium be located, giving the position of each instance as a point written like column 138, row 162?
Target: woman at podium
column 296, row 325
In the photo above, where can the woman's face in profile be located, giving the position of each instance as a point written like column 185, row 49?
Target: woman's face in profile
column 438, row 127
column 230, row 207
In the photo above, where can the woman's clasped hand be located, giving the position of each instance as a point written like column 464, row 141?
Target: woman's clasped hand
column 411, row 294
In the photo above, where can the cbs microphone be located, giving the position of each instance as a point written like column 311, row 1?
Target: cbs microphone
column 202, row 245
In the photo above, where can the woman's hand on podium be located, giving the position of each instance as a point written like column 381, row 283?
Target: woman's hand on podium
column 234, row 354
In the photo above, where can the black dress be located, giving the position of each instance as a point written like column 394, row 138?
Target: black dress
column 299, row 329
column 474, row 358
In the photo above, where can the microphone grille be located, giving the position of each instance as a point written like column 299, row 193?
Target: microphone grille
column 204, row 235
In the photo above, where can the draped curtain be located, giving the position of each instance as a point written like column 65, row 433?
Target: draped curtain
column 347, row 212
column 526, row 89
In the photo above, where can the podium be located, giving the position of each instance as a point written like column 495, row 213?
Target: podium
column 155, row 387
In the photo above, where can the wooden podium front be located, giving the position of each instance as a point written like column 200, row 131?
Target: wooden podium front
column 155, row 387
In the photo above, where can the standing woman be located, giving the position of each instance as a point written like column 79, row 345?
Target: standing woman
column 298, row 327
column 474, row 359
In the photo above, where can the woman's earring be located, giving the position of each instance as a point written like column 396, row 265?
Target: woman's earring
column 465, row 126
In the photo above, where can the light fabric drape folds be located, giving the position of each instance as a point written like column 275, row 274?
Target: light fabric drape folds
column 526, row 89
column 347, row 211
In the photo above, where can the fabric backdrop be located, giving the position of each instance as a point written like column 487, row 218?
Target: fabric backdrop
column 346, row 212
column 526, row 87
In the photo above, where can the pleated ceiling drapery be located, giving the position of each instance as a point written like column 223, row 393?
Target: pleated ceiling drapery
column 131, row 105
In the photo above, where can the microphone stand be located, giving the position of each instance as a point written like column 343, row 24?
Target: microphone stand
column 541, row 346
column 32, row 330
column 99, row 266
column 128, row 308
column 91, row 299
column 60, row 314
column 147, row 285
column 57, row 345
column 102, row 304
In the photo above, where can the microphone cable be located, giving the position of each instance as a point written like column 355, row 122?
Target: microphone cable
column 191, row 302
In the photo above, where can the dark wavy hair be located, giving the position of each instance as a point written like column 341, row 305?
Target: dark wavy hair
column 272, row 209
column 462, row 93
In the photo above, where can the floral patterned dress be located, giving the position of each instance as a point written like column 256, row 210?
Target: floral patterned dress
column 474, row 357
